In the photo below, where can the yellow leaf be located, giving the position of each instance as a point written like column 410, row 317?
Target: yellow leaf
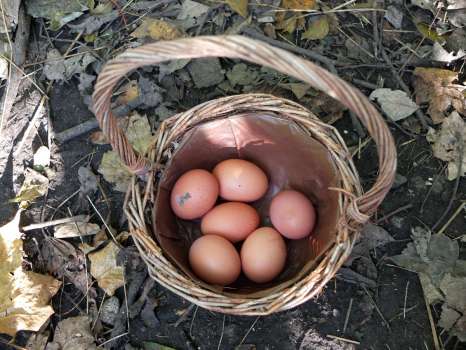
column 239, row 6
column 317, row 29
column 109, row 276
column 428, row 32
column 24, row 295
column 288, row 25
column 299, row 4
column 157, row 30
column 35, row 185
column 130, row 93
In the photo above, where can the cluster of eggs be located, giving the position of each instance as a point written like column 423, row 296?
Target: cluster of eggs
column 262, row 255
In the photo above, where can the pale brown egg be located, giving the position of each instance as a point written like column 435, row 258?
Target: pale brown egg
column 263, row 255
column 240, row 180
column 232, row 220
column 292, row 214
column 194, row 194
column 215, row 260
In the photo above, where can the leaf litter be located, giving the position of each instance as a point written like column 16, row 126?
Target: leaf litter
column 435, row 257
column 25, row 295
column 105, row 270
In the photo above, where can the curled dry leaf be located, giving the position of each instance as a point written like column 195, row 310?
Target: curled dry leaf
column 104, row 268
column 436, row 87
column 446, row 143
column 25, row 295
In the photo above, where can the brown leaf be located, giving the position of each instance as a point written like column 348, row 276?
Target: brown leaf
column 130, row 93
column 239, row 6
column 435, row 86
column 24, row 295
column 104, row 268
column 157, row 29
column 299, row 4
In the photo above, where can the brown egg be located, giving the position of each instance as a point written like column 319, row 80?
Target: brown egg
column 194, row 194
column 232, row 220
column 263, row 255
column 215, row 260
column 292, row 214
column 240, row 180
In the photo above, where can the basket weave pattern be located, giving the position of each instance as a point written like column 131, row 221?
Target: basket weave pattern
column 355, row 206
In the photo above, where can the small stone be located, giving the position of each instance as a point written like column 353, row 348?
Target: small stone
column 110, row 310
column 400, row 180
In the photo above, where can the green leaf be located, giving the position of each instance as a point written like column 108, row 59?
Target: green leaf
column 155, row 346
column 317, row 30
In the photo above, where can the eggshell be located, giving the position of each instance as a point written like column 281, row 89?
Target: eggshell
column 215, row 260
column 194, row 194
column 263, row 255
column 292, row 214
column 240, row 180
column 232, row 220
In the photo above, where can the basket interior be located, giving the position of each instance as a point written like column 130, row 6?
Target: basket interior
column 291, row 158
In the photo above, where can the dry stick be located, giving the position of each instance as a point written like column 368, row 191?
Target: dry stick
column 403, row 86
column 112, row 339
column 184, row 316
column 375, row 31
column 221, row 336
column 249, row 331
column 431, row 319
column 406, row 299
column 343, row 339
column 453, row 217
column 459, row 166
column 192, row 322
column 103, row 221
column 376, row 307
column 77, row 218
column 348, row 315
column 396, row 211
column 98, row 311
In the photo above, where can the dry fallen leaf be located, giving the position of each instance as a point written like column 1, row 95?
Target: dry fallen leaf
column 435, row 86
column 446, row 143
column 396, row 104
column 130, row 92
column 34, row 186
column 109, row 276
column 157, row 29
column 138, row 132
column 288, row 21
column 76, row 229
column 97, row 241
column 428, row 32
column 317, row 30
column 239, row 6
column 25, row 295
column 73, row 333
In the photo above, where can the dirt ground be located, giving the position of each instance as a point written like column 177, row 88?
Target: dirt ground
column 391, row 316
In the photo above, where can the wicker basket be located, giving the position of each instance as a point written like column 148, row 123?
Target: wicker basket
column 353, row 207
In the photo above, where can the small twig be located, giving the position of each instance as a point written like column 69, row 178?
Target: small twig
column 103, row 221
column 459, row 167
column 98, row 311
column 364, row 84
column 376, row 307
column 347, row 315
column 402, row 312
column 192, row 322
column 249, row 331
column 343, row 339
column 431, row 319
column 126, row 301
column 453, row 217
column 184, row 316
column 77, row 218
column 406, row 299
column 394, row 212
column 375, row 31
column 221, row 336
column 112, row 339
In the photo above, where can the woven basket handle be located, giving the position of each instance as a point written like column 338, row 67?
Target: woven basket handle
column 239, row 47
